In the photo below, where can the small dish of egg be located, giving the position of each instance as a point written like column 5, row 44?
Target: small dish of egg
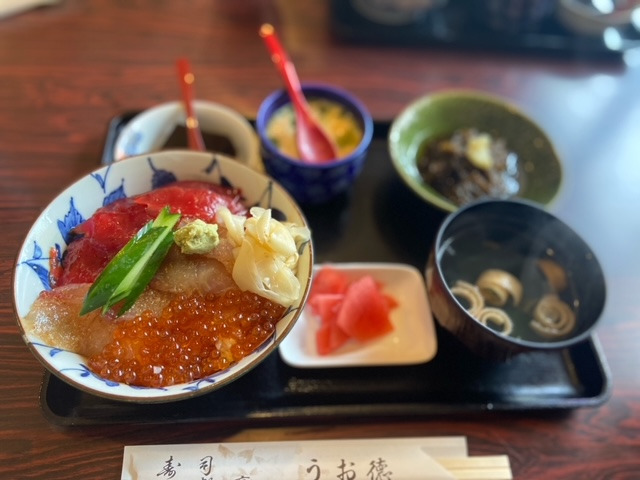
column 345, row 119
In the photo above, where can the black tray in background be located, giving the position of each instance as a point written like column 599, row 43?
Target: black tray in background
column 459, row 25
column 380, row 221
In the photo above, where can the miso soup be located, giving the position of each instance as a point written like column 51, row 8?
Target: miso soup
column 538, row 270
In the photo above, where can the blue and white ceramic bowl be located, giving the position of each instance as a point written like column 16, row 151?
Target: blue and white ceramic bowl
column 314, row 183
column 126, row 178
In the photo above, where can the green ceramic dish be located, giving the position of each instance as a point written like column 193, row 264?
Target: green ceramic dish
column 440, row 114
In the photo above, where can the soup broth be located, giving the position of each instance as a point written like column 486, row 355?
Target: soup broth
column 212, row 141
column 464, row 258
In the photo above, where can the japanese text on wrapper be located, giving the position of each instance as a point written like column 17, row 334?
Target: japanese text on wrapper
column 376, row 469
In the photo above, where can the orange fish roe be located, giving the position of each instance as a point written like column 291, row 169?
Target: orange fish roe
column 194, row 336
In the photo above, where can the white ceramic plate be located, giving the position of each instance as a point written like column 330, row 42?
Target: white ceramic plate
column 412, row 341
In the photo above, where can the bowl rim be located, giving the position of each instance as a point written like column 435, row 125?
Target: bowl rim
column 349, row 99
column 173, row 108
column 429, row 194
column 538, row 208
column 267, row 348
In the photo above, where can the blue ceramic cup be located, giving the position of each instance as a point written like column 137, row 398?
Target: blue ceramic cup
column 314, row 183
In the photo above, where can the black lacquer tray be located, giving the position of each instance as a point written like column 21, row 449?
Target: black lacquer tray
column 459, row 25
column 379, row 221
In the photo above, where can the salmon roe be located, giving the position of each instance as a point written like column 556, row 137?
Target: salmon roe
column 194, row 336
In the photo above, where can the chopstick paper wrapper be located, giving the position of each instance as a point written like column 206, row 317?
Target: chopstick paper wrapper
column 435, row 458
column 14, row 7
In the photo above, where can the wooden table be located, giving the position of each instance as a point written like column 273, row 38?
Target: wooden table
column 66, row 70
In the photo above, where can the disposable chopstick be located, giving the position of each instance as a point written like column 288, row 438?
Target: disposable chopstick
column 489, row 467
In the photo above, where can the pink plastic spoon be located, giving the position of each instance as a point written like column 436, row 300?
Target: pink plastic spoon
column 186, row 79
column 314, row 145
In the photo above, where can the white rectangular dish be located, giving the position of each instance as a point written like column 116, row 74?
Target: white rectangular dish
column 412, row 341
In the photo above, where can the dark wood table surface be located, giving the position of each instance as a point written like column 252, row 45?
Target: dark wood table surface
column 66, row 70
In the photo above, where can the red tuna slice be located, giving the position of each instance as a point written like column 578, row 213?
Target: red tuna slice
column 112, row 226
column 83, row 261
column 364, row 314
column 115, row 224
column 103, row 235
column 193, row 200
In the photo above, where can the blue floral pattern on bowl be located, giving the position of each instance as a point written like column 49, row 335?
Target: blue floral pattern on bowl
column 51, row 233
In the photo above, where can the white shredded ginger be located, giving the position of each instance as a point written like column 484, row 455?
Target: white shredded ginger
column 266, row 254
